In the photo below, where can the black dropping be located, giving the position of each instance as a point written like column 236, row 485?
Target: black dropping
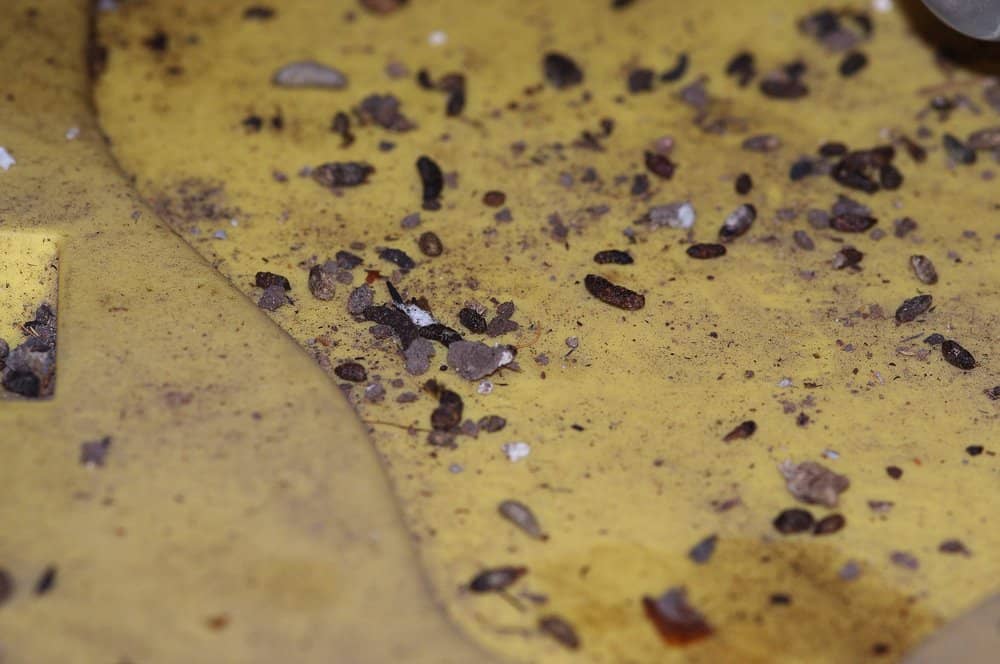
column 432, row 180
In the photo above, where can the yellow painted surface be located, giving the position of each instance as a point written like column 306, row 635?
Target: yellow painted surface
column 266, row 533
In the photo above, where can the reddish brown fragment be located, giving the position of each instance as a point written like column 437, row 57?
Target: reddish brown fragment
column 852, row 223
column 675, row 619
column 660, row 165
column 742, row 430
column 616, row 296
column 704, row 251
column 829, row 524
column 848, row 256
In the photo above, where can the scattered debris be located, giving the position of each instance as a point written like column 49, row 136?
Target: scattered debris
column 813, row 483
column 738, row 222
column 904, row 559
column 706, row 251
column 46, row 581
column 335, row 175
column 432, row 181
column 560, row 630
column 829, row 524
column 913, row 308
column 957, row 356
column 743, row 430
column 677, row 622
column 561, row 71
column 516, row 451
column 701, row 552
column 309, row 74
column 521, row 516
column 793, row 521
column 496, row 579
column 924, row 269
column 954, row 546
column 322, row 284
column 473, row 360
column 272, row 298
column 385, row 111
column 94, row 452
column 675, row 215
column 351, row 371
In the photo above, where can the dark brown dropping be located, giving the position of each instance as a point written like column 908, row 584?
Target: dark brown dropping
column 430, row 244
column 342, row 174
column 472, row 320
column 676, row 72
column 448, row 413
column 993, row 393
column 440, row 333
column 903, row 227
column 659, row 165
column 351, row 371
column 984, row 139
column 616, row 296
column 640, row 184
column 848, row 256
column 957, row 356
column 743, row 184
column 895, row 472
column 742, row 67
column 397, row 257
column 385, row 111
column 640, row 80
column 783, row 87
column 924, row 269
column 498, row 578
column 382, row 6
column 914, row 307
column 889, row 177
column 494, row 198
column 521, row 516
column 615, row 256
column 6, row 586
column 829, row 524
column 258, row 13
column 46, row 581
column 341, row 125
column 803, row 241
column 917, row 152
column 801, row 168
column 94, row 452
column 266, row 279
column 934, row 339
column 958, row 151
column 561, row 71
column 742, row 430
column 832, row 149
column 560, row 630
column 949, row 546
column 431, row 179
column 852, row 223
column 677, row 622
column 793, row 521
column 762, row 143
column 738, row 222
column 852, row 63
column 974, row 450
column 322, row 284
column 705, row 251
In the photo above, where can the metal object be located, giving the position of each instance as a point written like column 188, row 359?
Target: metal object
column 975, row 18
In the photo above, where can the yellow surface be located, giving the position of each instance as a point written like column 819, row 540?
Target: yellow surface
column 257, row 534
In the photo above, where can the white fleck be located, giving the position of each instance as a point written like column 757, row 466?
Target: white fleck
column 830, row 454
column 419, row 316
column 675, row 215
column 234, row 222
column 437, row 38
column 219, row 235
column 516, row 451
column 573, row 342
column 686, row 216
column 72, row 133
column 485, row 387
column 785, row 382
column 455, row 468
column 882, row 6
column 506, row 356
column 6, row 161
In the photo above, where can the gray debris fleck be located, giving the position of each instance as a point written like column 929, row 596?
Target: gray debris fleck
column 814, row 483
column 272, row 297
column 473, row 360
column 360, row 298
column 418, row 356
column 521, row 516
column 309, row 74
column 701, row 552
column 92, row 453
